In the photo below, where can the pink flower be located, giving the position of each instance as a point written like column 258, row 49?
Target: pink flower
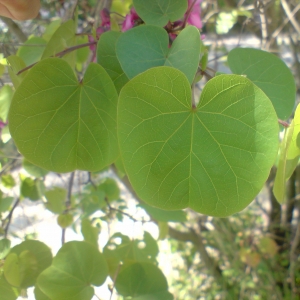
column 130, row 20
column 194, row 16
column 105, row 26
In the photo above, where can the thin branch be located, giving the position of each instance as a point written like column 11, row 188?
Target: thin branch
column 9, row 217
column 114, row 280
column 68, row 204
column 291, row 17
column 61, row 54
column 15, row 29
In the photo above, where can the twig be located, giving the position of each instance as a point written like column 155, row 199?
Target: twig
column 15, row 29
column 114, row 280
column 279, row 29
column 283, row 123
column 9, row 217
column 68, row 204
column 289, row 14
column 61, row 54
column 263, row 23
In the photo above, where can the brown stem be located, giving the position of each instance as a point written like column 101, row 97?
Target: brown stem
column 9, row 217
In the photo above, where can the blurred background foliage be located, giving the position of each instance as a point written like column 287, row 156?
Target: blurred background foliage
column 250, row 255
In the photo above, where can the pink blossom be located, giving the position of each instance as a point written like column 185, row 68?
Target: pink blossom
column 194, row 16
column 105, row 26
column 130, row 19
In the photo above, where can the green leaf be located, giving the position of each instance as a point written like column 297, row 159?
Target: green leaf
column 32, row 50
column 279, row 188
column 4, row 247
column 34, row 170
column 269, row 73
column 5, row 203
column 160, row 12
column 107, row 58
column 164, row 215
column 50, row 29
column 164, row 295
column 65, row 220
column 293, row 152
column 163, row 230
column 89, row 232
column 214, row 158
column 7, row 292
column 93, row 202
column 76, row 266
column 82, row 54
column 16, row 64
column 63, row 38
column 39, row 295
column 120, row 249
column 140, row 279
column 110, row 187
column 144, row 47
column 6, row 94
column 8, row 181
column 71, row 127
column 56, row 199
column 25, row 262
column 32, row 188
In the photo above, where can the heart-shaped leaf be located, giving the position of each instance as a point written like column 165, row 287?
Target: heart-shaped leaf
column 144, row 47
column 213, row 158
column 107, row 58
column 76, row 267
column 61, row 124
column 160, row 12
column 269, row 73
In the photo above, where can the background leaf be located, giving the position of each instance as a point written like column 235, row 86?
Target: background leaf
column 6, row 94
column 160, row 12
column 76, row 267
column 144, row 47
column 269, row 73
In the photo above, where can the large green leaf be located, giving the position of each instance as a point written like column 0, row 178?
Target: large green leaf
column 63, row 38
column 7, row 292
column 144, row 47
column 160, row 12
column 107, row 58
column 140, row 279
column 25, row 262
column 269, row 73
column 61, row 124
column 76, row 267
column 34, row 170
column 213, row 158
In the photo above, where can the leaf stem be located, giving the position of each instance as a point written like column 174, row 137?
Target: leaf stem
column 283, row 123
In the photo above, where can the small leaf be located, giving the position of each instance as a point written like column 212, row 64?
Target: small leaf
column 5, row 203
column 214, row 158
column 268, row 246
column 63, row 38
column 164, row 215
column 65, row 220
column 56, row 199
column 160, row 12
column 4, row 247
column 110, row 188
column 34, row 170
column 269, row 73
column 50, row 29
column 71, row 127
column 76, row 267
column 144, row 47
column 107, row 58
column 32, row 188
column 163, row 230
column 31, row 51
column 8, row 181
column 82, row 54
column 89, row 232
column 6, row 94
column 26, row 261
column 16, row 64
column 140, row 279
